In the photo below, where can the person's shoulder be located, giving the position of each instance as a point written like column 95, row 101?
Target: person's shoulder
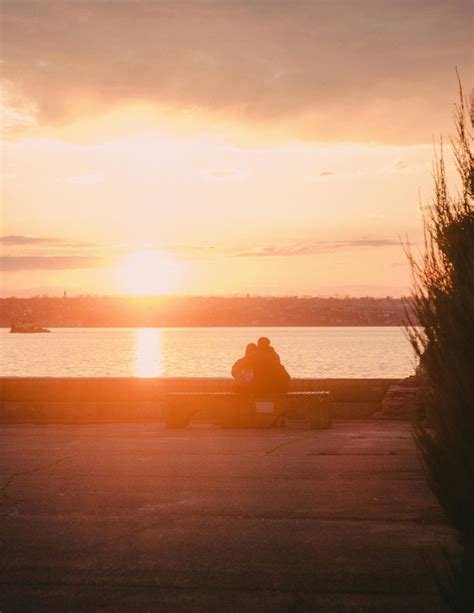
column 237, row 365
column 274, row 354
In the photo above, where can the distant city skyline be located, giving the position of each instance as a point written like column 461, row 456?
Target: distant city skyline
column 107, row 311
column 269, row 148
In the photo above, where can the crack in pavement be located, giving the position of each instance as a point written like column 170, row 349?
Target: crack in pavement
column 103, row 544
column 226, row 587
column 3, row 489
column 284, row 444
column 357, row 453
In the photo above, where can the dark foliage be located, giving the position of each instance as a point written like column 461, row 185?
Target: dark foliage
column 443, row 295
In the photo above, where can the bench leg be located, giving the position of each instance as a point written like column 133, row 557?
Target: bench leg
column 176, row 418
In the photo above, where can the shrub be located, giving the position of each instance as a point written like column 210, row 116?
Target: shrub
column 443, row 302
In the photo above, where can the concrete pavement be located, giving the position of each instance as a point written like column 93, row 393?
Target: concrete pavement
column 134, row 517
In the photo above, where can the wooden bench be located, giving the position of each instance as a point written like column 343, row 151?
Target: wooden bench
column 232, row 410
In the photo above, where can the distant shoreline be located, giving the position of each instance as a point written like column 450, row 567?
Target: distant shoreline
column 55, row 327
column 208, row 312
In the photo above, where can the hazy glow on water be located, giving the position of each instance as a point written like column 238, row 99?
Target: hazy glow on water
column 148, row 353
column 203, row 352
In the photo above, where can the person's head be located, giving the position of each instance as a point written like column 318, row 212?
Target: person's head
column 263, row 342
column 251, row 348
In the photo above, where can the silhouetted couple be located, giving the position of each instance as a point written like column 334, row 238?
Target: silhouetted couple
column 260, row 370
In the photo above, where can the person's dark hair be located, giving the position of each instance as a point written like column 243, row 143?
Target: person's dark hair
column 263, row 342
column 251, row 347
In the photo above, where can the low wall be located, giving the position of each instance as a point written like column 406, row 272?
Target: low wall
column 108, row 399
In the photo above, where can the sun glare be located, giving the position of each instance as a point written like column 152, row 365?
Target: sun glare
column 148, row 359
column 149, row 274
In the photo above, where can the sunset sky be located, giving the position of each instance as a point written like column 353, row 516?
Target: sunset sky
column 262, row 147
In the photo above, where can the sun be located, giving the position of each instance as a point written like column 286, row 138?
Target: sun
column 149, row 274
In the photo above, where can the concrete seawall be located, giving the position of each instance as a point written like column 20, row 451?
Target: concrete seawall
column 108, row 399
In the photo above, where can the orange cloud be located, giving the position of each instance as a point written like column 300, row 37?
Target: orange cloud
column 365, row 70
column 65, row 262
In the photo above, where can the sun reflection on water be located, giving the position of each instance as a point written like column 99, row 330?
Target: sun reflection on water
column 148, row 357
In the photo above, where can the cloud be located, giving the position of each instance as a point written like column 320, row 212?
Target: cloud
column 339, row 70
column 314, row 247
column 16, row 112
column 42, row 242
column 60, row 262
column 19, row 239
column 400, row 165
column 326, row 173
column 372, row 243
